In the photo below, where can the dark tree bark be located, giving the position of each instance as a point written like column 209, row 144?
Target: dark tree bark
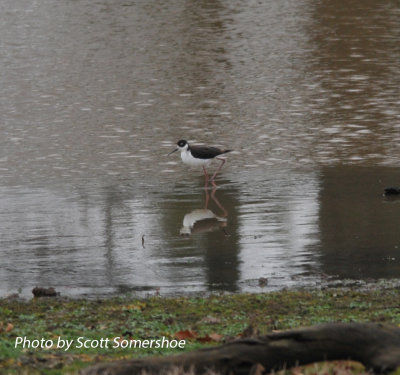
column 377, row 346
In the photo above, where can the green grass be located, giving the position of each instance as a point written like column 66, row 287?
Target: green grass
column 224, row 317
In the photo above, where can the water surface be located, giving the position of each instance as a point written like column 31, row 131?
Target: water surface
column 94, row 95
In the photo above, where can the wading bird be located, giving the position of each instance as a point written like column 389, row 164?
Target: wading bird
column 200, row 156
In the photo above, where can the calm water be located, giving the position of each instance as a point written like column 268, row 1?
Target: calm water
column 93, row 96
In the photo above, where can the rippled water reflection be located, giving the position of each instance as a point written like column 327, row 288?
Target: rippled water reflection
column 94, row 95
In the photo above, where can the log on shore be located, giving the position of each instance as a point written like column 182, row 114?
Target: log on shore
column 376, row 346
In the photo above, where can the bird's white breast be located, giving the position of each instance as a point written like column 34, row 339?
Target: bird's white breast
column 188, row 159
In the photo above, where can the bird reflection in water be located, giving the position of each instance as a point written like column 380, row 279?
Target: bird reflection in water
column 204, row 220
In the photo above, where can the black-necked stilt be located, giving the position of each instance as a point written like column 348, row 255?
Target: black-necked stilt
column 200, row 156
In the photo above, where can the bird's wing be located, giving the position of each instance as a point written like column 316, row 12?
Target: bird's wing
column 206, row 152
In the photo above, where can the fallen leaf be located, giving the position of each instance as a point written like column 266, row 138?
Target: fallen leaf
column 203, row 339
column 210, row 337
column 186, row 334
column 9, row 327
column 216, row 336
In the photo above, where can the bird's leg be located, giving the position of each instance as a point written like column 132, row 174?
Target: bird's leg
column 221, row 207
column 216, row 172
column 206, row 175
column 207, row 199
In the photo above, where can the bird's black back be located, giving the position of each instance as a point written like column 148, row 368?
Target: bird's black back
column 206, row 152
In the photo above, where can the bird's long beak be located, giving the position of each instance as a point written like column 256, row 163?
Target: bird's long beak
column 172, row 152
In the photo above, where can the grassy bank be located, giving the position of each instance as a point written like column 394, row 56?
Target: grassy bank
column 199, row 321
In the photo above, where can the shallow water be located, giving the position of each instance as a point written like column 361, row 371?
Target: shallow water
column 94, row 96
